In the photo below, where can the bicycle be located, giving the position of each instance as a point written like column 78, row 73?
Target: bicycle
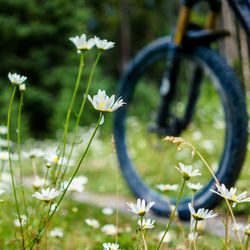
column 163, row 66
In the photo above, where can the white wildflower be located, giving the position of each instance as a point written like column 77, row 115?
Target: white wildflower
column 39, row 182
column 33, row 153
column 167, row 187
column 230, row 195
column 47, row 195
column 23, row 219
column 146, row 224
column 101, row 102
column 4, row 155
column 56, row 232
column 93, row 223
column 16, row 79
column 237, row 227
column 103, row 44
column 107, row 211
column 2, row 191
column 247, row 230
column 109, row 229
column 110, row 246
column 22, row 87
column 167, row 238
column 140, row 208
column 194, row 187
column 81, row 43
column 186, row 171
column 77, row 184
column 3, row 130
column 201, row 214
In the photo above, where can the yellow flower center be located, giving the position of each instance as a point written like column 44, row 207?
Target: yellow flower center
column 197, row 217
column 55, row 159
column 141, row 212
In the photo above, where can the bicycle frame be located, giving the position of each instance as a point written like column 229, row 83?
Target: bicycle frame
column 207, row 34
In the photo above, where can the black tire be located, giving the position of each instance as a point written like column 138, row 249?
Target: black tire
column 235, row 135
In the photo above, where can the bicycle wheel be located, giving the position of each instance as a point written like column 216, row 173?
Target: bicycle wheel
column 216, row 124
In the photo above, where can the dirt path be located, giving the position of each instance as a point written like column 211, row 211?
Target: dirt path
column 213, row 225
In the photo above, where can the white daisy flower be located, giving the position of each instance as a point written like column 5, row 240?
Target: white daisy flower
column 201, row 214
column 167, row 187
column 5, row 177
column 103, row 44
column 186, row 171
column 230, row 194
column 3, row 130
column 101, row 102
column 146, row 224
column 109, row 229
column 107, row 211
column 140, row 208
column 82, row 44
column 237, row 227
column 2, row 191
column 39, row 182
column 167, row 238
column 47, row 195
column 77, row 184
column 56, row 232
column 110, row 246
column 16, row 79
column 194, row 187
column 93, row 223
column 247, row 230
column 23, row 218
column 4, row 155
column 22, row 87
column 4, row 143
column 33, row 153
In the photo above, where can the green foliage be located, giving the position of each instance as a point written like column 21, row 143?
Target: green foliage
column 34, row 42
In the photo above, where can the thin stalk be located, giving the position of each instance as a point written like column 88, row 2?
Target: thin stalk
column 81, row 111
column 172, row 216
column 65, row 136
column 11, row 169
column 226, row 230
column 195, row 228
column 142, row 234
column 33, row 160
column 46, row 177
column 117, row 192
column 46, row 228
column 40, row 232
column 247, row 241
column 19, row 149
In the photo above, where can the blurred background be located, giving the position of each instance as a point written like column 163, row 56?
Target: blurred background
column 34, row 42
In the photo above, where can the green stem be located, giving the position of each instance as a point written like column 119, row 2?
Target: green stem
column 226, row 230
column 10, row 163
column 46, row 227
column 19, row 150
column 172, row 216
column 247, row 241
column 46, row 177
column 40, row 232
column 195, row 228
column 69, row 113
column 142, row 234
column 81, row 111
